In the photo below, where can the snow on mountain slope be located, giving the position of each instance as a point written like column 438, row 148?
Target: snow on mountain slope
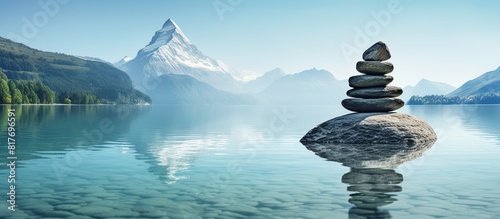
column 122, row 61
column 171, row 52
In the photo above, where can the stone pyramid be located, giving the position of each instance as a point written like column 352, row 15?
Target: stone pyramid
column 371, row 92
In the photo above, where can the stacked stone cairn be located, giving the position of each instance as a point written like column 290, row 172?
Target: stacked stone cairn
column 373, row 124
column 371, row 92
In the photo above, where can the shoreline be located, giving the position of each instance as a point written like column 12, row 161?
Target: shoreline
column 62, row 104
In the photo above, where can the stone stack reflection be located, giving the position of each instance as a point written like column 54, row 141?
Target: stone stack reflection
column 373, row 188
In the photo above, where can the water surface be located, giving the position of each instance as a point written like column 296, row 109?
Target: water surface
column 238, row 162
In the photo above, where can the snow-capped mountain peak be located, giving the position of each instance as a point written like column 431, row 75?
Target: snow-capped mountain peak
column 171, row 52
column 169, row 31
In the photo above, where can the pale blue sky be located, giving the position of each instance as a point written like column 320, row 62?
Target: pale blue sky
column 448, row 41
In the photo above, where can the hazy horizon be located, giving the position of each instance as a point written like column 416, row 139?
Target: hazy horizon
column 446, row 41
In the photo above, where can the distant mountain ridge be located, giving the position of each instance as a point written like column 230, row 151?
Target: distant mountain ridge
column 484, row 89
column 426, row 87
column 122, row 61
column 88, row 58
column 311, row 87
column 263, row 81
column 488, row 82
column 184, row 89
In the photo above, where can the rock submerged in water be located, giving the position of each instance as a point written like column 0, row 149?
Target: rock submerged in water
column 372, row 128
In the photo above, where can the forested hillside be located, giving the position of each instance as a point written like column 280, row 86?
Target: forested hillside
column 68, row 77
column 492, row 98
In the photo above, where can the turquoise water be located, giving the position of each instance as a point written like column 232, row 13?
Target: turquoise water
column 238, row 162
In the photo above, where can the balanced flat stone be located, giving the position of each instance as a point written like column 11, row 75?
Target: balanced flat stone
column 377, row 52
column 374, row 67
column 360, row 81
column 373, row 105
column 403, row 131
column 375, row 92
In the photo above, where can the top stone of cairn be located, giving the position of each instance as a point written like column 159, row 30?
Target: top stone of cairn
column 377, row 52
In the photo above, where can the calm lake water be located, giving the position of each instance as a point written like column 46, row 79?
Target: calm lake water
column 238, row 162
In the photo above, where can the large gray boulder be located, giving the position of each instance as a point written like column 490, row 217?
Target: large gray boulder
column 372, row 128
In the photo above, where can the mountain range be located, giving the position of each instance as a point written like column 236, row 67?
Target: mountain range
column 260, row 83
column 426, row 87
column 184, row 89
column 484, row 89
column 309, row 87
column 172, row 70
column 182, row 74
column 487, row 83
